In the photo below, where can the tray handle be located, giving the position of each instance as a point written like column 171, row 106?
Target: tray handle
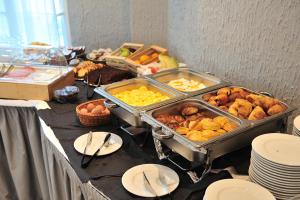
column 267, row 94
column 209, row 73
column 109, row 104
column 161, row 135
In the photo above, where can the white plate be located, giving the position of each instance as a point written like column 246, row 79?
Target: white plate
column 236, row 189
column 133, row 180
column 279, row 189
column 279, row 148
column 297, row 123
column 275, row 169
column 290, row 178
column 287, row 168
column 97, row 139
column 292, row 188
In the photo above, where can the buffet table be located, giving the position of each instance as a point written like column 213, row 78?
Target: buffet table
column 65, row 179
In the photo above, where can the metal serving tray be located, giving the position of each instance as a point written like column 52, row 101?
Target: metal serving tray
column 206, row 152
column 131, row 114
column 210, row 81
column 272, row 118
column 193, row 150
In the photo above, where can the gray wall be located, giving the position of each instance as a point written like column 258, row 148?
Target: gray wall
column 251, row 43
column 99, row 23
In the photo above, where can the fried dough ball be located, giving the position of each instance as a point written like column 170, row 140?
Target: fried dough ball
column 194, row 117
column 213, row 101
column 221, row 131
column 209, row 124
column 255, row 99
column 209, row 134
column 225, row 91
column 197, row 136
column 229, row 126
column 268, row 102
column 241, row 108
column 189, row 110
column 192, row 124
column 225, row 108
column 278, row 108
column 198, row 126
column 182, row 130
column 206, row 97
column 221, row 120
column 221, row 99
column 242, row 93
column 257, row 114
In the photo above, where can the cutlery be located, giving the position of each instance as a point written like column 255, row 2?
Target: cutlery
column 164, row 183
column 106, row 139
column 2, row 69
column 88, row 143
column 149, row 184
column 105, row 176
column 11, row 67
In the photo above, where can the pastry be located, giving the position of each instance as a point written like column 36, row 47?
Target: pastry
column 257, row 114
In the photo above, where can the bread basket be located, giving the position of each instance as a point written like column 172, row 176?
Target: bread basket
column 92, row 119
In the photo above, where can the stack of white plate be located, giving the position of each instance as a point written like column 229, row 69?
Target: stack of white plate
column 296, row 127
column 275, row 164
column 236, row 189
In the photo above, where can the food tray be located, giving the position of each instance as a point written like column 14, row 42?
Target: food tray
column 35, row 85
column 212, row 82
column 152, row 49
column 131, row 114
column 119, row 61
column 206, row 152
column 192, row 150
column 285, row 113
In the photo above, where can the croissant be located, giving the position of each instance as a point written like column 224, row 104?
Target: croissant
column 225, row 91
column 221, row 99
column 268, row 102
column 257, row 114
column 278, row 108
column 255, row 99
column 241, row 108
column 189, row 110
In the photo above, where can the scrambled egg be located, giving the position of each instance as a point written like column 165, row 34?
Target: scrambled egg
column 185, row 85
column 141, row 96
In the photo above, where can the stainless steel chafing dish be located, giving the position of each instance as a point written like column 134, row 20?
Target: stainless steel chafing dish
column 131, row 114
column 205, row 152
column 269, row 120
column 211, row 82
column 192, row 150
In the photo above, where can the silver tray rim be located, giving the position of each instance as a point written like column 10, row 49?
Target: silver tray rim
column 136, row 110
column 219, row 82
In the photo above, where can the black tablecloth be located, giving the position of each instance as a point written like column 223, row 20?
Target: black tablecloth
column 62, row 119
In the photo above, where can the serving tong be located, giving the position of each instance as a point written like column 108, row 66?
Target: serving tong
column 88, row 95
column 4, row 70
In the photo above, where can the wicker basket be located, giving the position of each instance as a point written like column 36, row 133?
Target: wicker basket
column 92, row 119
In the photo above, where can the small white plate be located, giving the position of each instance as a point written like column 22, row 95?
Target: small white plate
column 297, row 123
column 236, row 189
column 133, row 180
column 279, row 148
column 115, row 143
